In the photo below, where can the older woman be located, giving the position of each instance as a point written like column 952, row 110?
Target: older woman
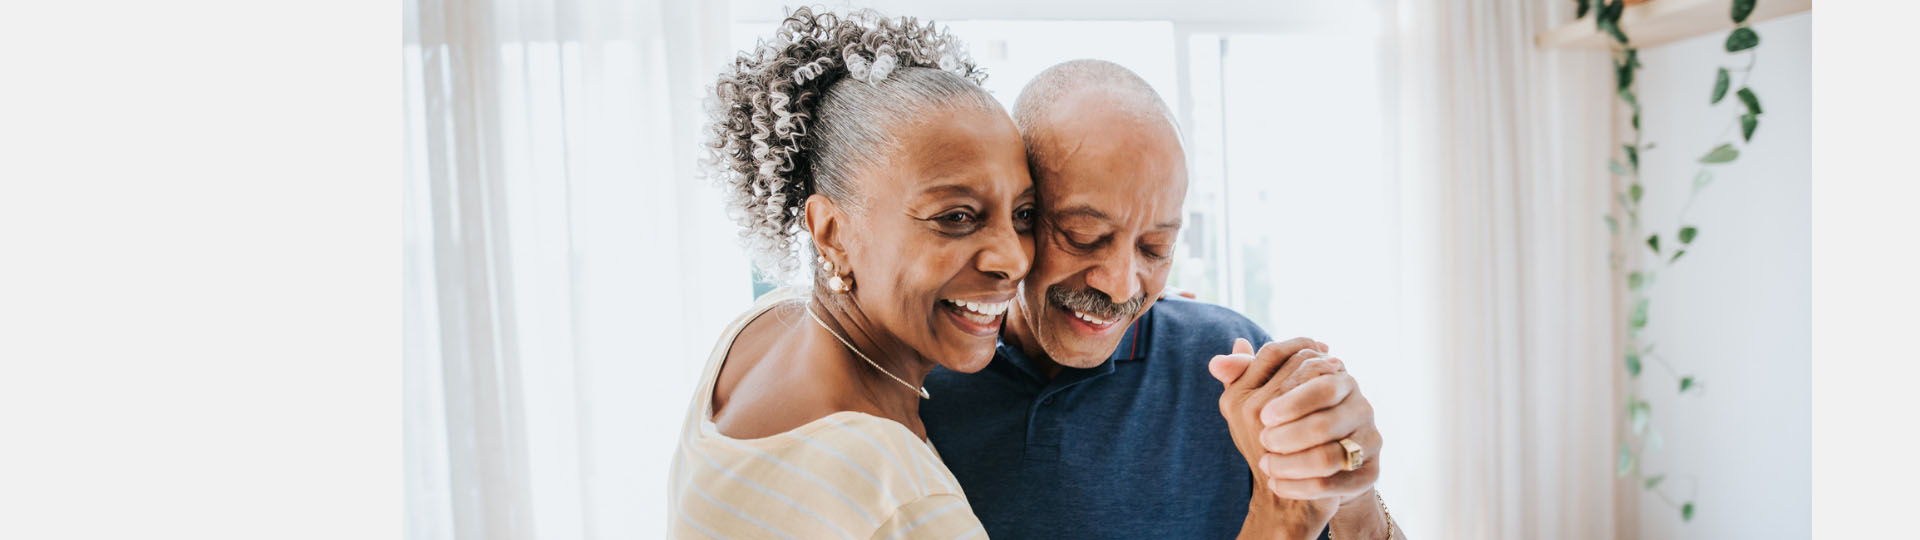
column 866, row 147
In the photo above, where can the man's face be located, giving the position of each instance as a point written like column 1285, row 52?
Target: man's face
column 1111, row 185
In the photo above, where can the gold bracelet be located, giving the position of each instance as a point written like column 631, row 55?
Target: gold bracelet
column 1383, row 512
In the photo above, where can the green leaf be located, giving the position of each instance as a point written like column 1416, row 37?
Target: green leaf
column 1639, row 319
column 1581, row 11
column 1721, row 154
column 1752, row 101
column 1687, row 234
column 1634, row 192
column 1747, row 123
column 1623, row 74
column 1640, row 415
column 1623, row 464
column 1686, row 383
column 1720, row 83
column 1654, row 242
column 1613, row 225
column 1741, row 39
column 1676, row 256
column 1654, row 480
column 1634, row 281
column 1633, row 155
column 1615, row 166
column 1686, row 511
column 1701, row 179
column 1741, row 9
column 1633, row 364
column 1612, row 28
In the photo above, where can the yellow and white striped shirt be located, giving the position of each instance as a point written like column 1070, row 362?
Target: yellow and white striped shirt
column 846, row 475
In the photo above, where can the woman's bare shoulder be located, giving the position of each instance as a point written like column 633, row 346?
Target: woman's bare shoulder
column 765, row 386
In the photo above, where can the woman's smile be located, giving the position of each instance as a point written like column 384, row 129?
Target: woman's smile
column 979, row 317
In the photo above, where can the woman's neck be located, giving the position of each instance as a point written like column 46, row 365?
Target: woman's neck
column 897, row 400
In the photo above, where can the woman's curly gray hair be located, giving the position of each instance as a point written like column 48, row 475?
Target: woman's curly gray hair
column 804, row 111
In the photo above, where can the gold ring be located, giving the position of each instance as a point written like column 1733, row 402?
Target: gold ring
column 1356, row 456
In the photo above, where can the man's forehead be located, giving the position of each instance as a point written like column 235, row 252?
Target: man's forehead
column 1106, row 200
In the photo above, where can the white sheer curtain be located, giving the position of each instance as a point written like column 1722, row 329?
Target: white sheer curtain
column 1502, row 156
column 566, row 270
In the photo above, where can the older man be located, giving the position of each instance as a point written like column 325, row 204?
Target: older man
column 1109, row 413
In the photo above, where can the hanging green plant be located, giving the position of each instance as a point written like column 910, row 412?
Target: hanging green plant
column 1641, row 435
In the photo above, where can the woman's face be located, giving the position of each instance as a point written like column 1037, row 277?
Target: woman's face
column 944, row 235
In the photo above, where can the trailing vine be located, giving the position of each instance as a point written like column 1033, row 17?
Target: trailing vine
column 1638, row 273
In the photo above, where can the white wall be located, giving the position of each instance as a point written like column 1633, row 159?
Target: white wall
column 1735, row 311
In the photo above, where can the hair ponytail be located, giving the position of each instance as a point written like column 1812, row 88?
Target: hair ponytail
column 800, row 112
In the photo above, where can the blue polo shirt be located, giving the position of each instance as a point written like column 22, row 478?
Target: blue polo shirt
column 1132, row 448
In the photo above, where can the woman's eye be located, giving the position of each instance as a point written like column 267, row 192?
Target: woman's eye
column 1023, row 219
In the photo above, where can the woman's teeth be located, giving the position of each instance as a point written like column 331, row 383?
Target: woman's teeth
column 1091, row 319
column 980, row 312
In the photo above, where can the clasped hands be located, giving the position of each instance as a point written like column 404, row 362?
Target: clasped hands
column 1288, row 406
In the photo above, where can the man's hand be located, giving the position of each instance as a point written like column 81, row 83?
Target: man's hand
column 1304, row 426
column 1251, row 381
column 1287, row 407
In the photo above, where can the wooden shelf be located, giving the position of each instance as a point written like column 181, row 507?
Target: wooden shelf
column 1665, row 21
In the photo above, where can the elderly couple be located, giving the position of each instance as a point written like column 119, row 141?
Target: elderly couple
column 984, row 349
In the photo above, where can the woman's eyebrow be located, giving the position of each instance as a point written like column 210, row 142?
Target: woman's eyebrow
column 946, row 190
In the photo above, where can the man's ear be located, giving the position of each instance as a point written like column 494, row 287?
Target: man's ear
column 823, row 224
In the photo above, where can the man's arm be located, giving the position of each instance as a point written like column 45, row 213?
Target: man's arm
column 1270, row 517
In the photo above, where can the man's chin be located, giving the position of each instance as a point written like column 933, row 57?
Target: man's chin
column 1077, row 351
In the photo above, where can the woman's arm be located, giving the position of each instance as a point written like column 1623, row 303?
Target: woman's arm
column 1365, row 518
column 940, row 516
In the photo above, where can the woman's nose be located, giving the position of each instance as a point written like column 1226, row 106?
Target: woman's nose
column 1004, row 257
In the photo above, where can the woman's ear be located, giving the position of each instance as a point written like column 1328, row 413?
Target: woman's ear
column 823, row 224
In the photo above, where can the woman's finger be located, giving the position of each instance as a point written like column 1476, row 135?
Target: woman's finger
column 1318, row 392
column 1320, row 461
column 1344, row 484
column 1327, row 425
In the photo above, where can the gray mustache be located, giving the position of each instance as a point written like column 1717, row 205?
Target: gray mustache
column 1094, row 302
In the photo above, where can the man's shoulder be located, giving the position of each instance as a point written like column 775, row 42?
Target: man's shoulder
column 1181, row 319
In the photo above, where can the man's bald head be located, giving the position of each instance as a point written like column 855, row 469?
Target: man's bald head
column 1106, row 161
column 1081, row 87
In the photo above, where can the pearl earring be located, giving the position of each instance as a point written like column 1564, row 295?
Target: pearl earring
column 834, row 282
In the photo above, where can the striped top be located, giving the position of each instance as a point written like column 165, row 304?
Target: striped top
column 845, row 475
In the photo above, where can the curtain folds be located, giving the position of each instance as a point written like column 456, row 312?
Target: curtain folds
column 1503, row 149
column 564, row 261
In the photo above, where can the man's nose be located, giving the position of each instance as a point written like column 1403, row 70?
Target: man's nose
column 1116, row 275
